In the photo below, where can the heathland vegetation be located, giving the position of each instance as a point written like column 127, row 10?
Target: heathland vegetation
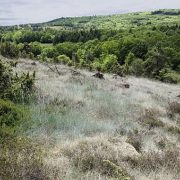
column 57, row 121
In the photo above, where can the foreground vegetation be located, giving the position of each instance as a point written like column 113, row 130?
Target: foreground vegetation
column 140, row 44
column 82, row 127
column 15, row 93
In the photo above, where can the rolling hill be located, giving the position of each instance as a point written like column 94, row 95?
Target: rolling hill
column 118, row 21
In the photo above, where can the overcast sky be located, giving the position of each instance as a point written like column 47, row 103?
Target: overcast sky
column 30, row 11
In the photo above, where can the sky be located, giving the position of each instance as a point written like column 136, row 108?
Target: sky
column 34, row 11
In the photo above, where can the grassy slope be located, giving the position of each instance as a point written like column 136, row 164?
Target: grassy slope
column 84, row 121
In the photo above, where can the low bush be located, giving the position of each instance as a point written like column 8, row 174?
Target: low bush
column 153, row 123
column 14, row 87
column 10, row 114
column 150, row 119
column 96, row 65
column 173, row 129
column 136, row 67
column 162, row 143
column 171, row 77
column 9, row 50
column 115, row 171
column 174, row 108
column 109, row 62
column 63, row 59
column 155, row 161
column 21, row 158
column 135, row 141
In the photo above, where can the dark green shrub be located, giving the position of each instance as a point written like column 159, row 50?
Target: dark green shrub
column 5, row 78
column 157, row 61
column 136, row 67
column 9, row 50
column 128, row 61
column 171, row 77
column 10, row 114
column 14, row 87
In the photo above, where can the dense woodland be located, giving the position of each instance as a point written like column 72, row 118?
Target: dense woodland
column 141, row 44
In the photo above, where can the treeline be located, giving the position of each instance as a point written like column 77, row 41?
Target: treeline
column 52, row 36
column 166, row 12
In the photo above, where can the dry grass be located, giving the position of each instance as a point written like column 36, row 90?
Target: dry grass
column 21, row 158
column 86, row 121
column 168, row 159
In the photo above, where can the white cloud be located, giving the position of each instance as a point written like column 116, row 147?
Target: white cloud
column 26, row 11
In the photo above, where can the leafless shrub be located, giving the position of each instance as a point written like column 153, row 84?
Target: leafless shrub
column 20, row 158
column 162, row 143
column 135, row 140
column 115, row 171
column 63, row 105
column 173, row 129
column 173, row 108
column 153, row 161
column 100, row 155
column 150, row 118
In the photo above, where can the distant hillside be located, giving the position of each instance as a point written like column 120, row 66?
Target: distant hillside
column 167, row 12
column 117, row 21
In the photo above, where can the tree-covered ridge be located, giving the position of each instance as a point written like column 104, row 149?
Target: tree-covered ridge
column 141, row 44
column 167, row 12
column 118, row 21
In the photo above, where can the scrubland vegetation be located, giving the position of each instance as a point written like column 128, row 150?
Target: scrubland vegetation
column 60, row 122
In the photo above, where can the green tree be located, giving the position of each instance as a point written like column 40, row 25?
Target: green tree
column 128, row 62
column 109, row 62
column 49, row 52
column 156, row 61
column 63, row 59
column 9, row 50
column 36, row 48
column 137, row 67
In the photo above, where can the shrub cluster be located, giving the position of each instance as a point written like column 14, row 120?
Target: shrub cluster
column 13, row 87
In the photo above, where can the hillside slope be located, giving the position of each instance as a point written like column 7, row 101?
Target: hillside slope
column 85, row 121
